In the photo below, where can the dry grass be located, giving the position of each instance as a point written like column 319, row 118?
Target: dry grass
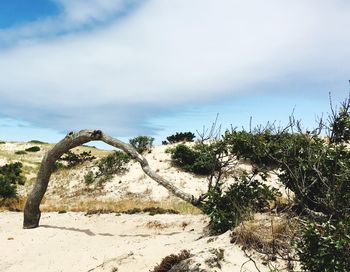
column 267, row 234
column 155, row 224
column 172, row 260
column 12, row 204
column 90, row 205
column 124, row 205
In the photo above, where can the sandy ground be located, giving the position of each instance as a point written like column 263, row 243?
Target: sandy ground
column 75, row 242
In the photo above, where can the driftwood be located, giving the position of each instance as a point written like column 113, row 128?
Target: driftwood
column 32, row 207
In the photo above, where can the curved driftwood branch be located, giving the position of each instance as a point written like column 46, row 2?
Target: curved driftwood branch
column 32, row 207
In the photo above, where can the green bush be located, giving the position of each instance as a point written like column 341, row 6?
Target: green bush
column 325, row 247
column 72, row 159
column 263, row 148
column 10, row 176
column 142, row 143
column 107, row 167
column 36, row 142
column 181, row 137
column 7, row 189
column 113, row 164
column 201, row 159
column 227, row 209
column 89, row 178
column 33, row 149
column 20, row 152
column 317, row 170
column 58, row 165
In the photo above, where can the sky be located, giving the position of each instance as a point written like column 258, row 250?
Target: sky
column 156, row 67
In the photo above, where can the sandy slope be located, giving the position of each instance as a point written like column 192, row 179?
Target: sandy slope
column 74, row 242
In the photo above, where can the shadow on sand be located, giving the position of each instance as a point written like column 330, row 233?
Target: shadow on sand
column 86, row 231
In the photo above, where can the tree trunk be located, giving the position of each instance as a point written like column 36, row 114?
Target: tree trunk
column 32, row 207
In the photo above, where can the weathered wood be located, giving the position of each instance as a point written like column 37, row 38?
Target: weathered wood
column 32, row 207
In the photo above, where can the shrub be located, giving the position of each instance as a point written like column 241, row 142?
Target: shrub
column 325, row 247
column 107, row 167
column 113, row 164
column 72, row 159
column 89, row 178
column 58, row 165
column 181, row 137
column 142, row 143
column 10, row 176
column 2, row 142
column 7, row 189
column 20, row 152
column 201, row 159
column 227, row 209
column 33, row 149
column 316, row 171
column 36, row 142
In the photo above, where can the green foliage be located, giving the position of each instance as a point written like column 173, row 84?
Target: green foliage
column 340, row 123
column 142, row 143
column 113, row 164
column 58, row 165
column 315, row 170
column 227, row 209
column 36, row 142
column 325, row 247
column 2, row 142
column 33, row 149
column 89, row 178
column 72, row 159
column 107, row 167
column 10, row 176
column 318, row 173
column 7, row 189
column 20, row 152
column 181, row 137
column 201, row 159
column 264, row 148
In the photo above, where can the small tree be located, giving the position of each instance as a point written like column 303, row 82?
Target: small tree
column 181, row 137
column 72, row 159
column 142, row 143
column 33, row 149
column 10, row 176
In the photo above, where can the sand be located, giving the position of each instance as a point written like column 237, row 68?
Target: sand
column 75, row 242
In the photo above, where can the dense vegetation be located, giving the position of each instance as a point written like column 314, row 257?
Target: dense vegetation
column 114, row 163
column 180, row 137
column 199, row 159
column 10, row 176
column 33, row 149
column 315, row 168
column 142, row 143
column 72, row 159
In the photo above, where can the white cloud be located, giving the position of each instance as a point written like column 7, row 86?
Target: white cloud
column 76, row 15
column 82, row 11
column 165, row 53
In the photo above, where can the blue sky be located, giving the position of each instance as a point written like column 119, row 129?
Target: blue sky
column 155, row 67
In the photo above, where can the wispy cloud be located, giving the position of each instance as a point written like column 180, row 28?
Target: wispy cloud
column 163, row 54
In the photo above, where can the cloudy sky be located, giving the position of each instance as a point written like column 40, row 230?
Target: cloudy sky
column 154, row 67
